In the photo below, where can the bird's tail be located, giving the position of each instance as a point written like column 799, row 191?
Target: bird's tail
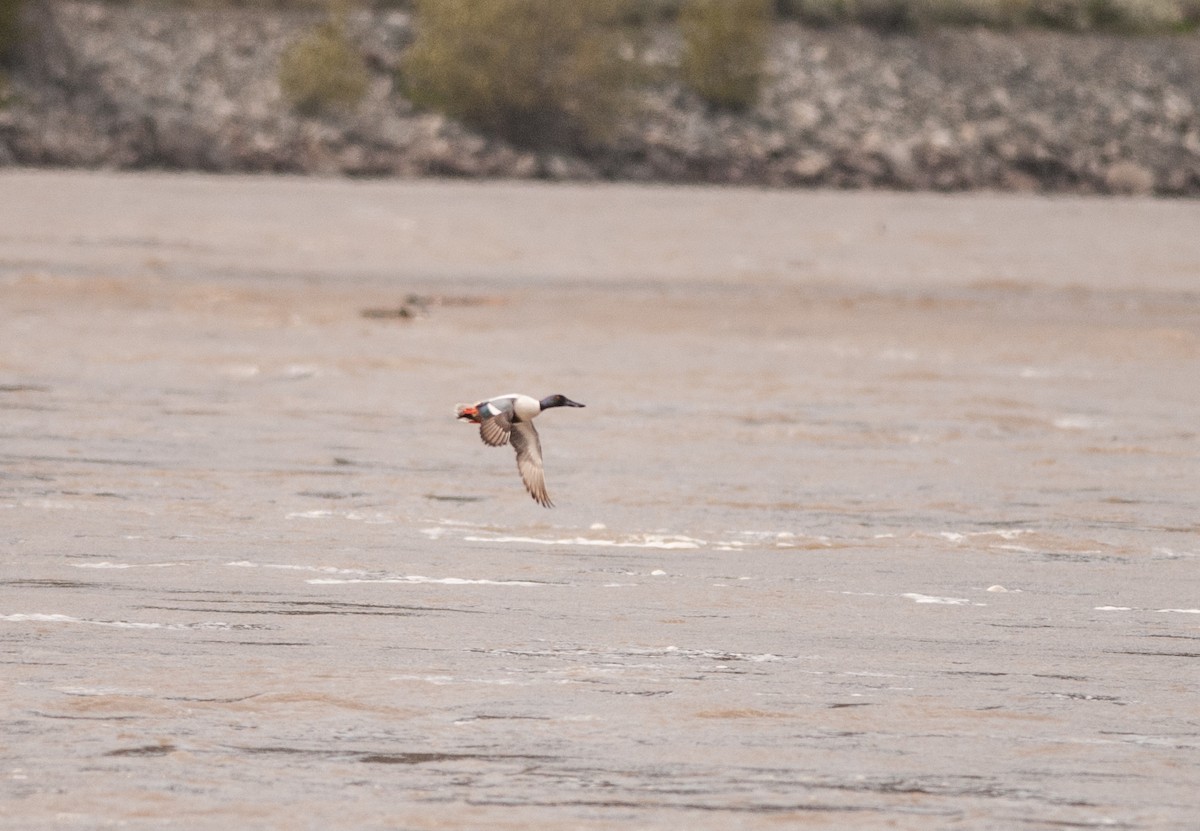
column 467, row 412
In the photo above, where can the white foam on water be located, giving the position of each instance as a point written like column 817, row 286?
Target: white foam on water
column 1002, row 533
column 126, row 565
column 117, row 624
column 779, row 539
column 299, row 371
column 711, row 654
column 616, row 659
column 867, row 674
column 1006, row 533
column 806, row 542
column 444, row 525
column 443, row 680
column 639, row 541
column 1156, row 611
column 918, row 598
column 1170, row 554
column 370, row 519
column 240, row 370
column 771, row 535
column 291, row 567
column 353, row 516
column 346, row 576
column 99, row 691
column 416, row 578
column 662, row 541
column 946, row 601
column 1077, row 421
column 52, row 505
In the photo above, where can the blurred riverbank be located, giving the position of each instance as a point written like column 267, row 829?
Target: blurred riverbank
column 156, row 87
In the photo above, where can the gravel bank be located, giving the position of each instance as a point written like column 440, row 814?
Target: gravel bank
column 158, row 88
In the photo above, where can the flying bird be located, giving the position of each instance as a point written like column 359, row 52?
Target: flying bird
column 508, row 418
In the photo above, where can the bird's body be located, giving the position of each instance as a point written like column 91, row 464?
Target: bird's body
column 508, row 418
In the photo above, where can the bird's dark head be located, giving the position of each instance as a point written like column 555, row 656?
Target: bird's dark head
column 558, row 401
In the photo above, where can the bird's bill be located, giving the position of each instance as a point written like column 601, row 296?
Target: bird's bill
column 569, row 403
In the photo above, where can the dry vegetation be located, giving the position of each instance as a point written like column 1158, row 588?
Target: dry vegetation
column 724, row 49
column 555, row 73
column 1128, row 16
column 323, row 71
column 150, row 84
column 537, row 72
column 10, row 11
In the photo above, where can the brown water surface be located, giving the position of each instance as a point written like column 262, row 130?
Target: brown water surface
column 883, row 510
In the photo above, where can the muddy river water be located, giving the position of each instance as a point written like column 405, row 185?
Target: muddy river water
column 884, row 510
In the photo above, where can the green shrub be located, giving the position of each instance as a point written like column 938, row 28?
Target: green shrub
column 1061, row 14
column 896, row 15
column 1122, row 16
column 725, row 49
column 1135, row 16
column 323, row 71
column 996, row 14
column 537, row 72
column 818, row 12
column 10, row 24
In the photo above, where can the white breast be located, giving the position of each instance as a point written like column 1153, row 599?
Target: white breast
column 525, row 407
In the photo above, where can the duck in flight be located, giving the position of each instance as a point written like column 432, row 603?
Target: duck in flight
column 508, row 418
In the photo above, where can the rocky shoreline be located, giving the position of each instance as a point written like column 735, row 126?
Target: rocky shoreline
column 139, row 87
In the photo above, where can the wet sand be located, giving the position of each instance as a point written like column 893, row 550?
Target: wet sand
column 883, row 511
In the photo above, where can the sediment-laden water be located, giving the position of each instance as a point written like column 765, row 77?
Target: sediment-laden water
column 882, row 510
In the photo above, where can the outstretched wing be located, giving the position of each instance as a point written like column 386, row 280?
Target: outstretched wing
column 529, row 461
column 495, row 430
